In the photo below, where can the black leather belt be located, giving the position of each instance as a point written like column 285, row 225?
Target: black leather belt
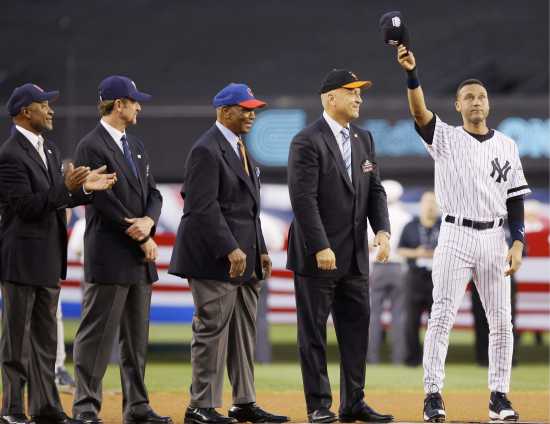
column 476, row 225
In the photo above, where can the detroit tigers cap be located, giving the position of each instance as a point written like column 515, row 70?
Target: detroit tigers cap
column 342, row 78
column 237, row 94
column 26, row 94
column 121, row 87
column 393, row 29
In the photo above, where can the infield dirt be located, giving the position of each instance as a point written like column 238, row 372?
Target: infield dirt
column 470, row 406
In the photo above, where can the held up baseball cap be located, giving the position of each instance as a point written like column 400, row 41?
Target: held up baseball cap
column 342, row 78
column 393, row 29
column 26, row 94
column 120, row 87
column 237, row 94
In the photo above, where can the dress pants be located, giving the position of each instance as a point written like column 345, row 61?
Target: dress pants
column 224, row 331
column 28, row 347
column 386, row 282
column 418, row 298
column 347, row 298
column 106, row 307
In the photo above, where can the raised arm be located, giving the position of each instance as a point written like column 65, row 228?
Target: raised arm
column 415, row 95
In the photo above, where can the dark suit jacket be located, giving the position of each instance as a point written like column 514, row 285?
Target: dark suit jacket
column 221, row 212
column 33, row 223
column 110, row 255
column 330, row 210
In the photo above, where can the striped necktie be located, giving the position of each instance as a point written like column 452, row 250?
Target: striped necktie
column 346, row 150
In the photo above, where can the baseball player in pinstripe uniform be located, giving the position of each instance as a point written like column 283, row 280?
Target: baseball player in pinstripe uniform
column 479, row 182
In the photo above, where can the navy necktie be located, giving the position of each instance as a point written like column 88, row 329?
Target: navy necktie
column 128, row 154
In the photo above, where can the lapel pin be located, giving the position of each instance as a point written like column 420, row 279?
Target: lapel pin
column 49, row 151
column 355, row 135
column 139, row 156
column 367, row 166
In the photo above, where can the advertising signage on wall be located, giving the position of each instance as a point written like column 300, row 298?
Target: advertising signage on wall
column 272, row 133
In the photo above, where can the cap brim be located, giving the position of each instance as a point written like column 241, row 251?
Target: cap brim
column 138, row 96
column 49, row 96
column 252, row 104
column 358, row 84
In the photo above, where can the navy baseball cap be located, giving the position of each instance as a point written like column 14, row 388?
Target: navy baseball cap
column 119, row 87
column 393, row 29
column 26, row 94
column 342, row 78
column 237, row 94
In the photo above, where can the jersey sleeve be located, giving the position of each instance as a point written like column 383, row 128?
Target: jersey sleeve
column 437, row 136
column 518, row 184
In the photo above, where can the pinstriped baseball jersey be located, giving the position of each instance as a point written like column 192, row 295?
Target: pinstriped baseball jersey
column 474, row 179
column 474, row 176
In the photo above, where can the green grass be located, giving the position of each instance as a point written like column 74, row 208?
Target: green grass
column 176, row 377
column 279, row 334
column 170, row 342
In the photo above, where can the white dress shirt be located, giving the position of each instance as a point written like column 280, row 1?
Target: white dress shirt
column 336, row 129
column 37, row 142
column 114, row 133
column 230, row 136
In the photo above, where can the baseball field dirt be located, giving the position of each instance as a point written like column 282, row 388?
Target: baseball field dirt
column 462, row 406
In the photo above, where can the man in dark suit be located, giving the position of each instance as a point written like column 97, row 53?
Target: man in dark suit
column 119, row 256
column 220, row 249
column 335, row 193
column 33, row 254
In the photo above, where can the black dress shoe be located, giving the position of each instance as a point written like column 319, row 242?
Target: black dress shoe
column 254, row 414
column 59, row 418
column 322, row 415
column 150, row 417
column 366, row 414
column 206, row 416
column 89, row 417
column 14, row 419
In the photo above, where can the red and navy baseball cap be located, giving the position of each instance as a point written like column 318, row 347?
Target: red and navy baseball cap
column 26, row 94
column 394, row 29
column 120, row 87
column 342, row 78
column 237, row 94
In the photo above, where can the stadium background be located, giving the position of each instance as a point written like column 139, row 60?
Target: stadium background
column 184, row 52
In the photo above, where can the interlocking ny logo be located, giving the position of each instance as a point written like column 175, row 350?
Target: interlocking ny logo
column 501, row 172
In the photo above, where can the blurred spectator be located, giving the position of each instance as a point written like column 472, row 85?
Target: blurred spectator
column 63, row 379
column 417, row 245
column 386, row 283
column 274, row 231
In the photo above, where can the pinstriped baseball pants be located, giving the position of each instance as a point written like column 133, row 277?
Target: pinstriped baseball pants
column 462, row 255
